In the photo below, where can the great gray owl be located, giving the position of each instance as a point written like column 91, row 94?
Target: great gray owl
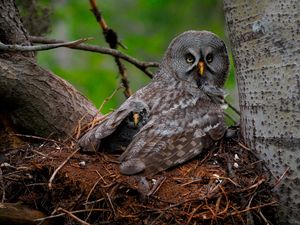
column 183, row 104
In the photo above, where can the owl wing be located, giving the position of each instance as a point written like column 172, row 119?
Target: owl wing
column 92, row 139
column 159, row 146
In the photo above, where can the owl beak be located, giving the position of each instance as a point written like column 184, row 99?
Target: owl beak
column 136, row 118
column 201, row 66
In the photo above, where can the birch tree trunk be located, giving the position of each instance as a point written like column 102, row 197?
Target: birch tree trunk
column 265, row 41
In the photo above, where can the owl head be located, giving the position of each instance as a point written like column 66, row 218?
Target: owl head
column 198, row 57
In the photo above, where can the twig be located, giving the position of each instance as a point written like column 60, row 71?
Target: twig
column 193, row 212
column 232, row 107
column 143, row 66
column 156, row 186
column 73, row 216
column 243, row 146
column 94, row 202
column 111, row 37
column 254, row 185
column 111, row 205
column 254, row 207
column 124, row 77
column 73, row 212
column 89, row 194
column 58, row 168
column 79, row 129
column 98, row 15
column 22, row 48
column 281, row 177
column 36, row 137
column 39, row 153
column 263, row 217
column 108, row 98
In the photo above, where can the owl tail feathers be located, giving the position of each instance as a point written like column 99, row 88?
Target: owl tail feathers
column 132, row 166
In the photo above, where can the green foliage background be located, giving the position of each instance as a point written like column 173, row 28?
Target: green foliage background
column 145, row 26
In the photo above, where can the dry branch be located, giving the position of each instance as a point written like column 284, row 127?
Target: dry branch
column 111, row 37
column 59, row 167
column 22, row 48
column 142, row 65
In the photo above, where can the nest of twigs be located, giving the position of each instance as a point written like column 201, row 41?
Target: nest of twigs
column 225, row 185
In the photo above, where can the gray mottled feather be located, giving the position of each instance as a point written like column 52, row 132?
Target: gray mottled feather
column 159, row 146
column 92, row 139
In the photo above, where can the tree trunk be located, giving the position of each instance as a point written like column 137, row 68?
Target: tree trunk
column 265, row 41
column 33, row 98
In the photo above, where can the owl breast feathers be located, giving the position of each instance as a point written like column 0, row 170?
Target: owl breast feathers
column 183, row 107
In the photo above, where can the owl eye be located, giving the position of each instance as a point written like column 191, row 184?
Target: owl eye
column 209, row 58
column 189, row 58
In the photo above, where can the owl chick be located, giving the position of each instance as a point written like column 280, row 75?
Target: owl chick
column 183, row 104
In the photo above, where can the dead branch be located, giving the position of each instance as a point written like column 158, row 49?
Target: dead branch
column 143, row 66
column 72, row 216
column 111, row 37
column 58, row 168
column 22, row 48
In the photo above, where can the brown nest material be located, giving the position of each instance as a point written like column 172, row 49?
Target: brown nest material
column 225, row 185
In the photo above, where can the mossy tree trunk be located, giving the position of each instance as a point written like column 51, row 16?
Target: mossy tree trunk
column 265, row 41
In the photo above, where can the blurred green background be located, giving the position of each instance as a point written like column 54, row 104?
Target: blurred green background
column 145, row 26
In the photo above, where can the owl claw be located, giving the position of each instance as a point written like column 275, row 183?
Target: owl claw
column 132, row 166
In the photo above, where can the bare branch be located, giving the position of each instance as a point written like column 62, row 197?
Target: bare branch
column 22, row 48
column 72, row 216
column 111, row 38
column 60, row 166
column 143, row 66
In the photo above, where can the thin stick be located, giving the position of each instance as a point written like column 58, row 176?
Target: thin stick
column 111, row 205
column 108, row 98
column 77, row 211
column 98, row 15
column 102, row 104
column 79, row 129
column 254, row 207
column 111, row 37
column 87, row 198
column 73, row 216
column 143, row 66
column 281, row 177
column 232, row 107
column 156, row 186
column 58, row 168
column 22, row 48
column 243, row 146
column 36, row 137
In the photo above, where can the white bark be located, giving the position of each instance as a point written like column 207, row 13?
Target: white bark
column 265, row 39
